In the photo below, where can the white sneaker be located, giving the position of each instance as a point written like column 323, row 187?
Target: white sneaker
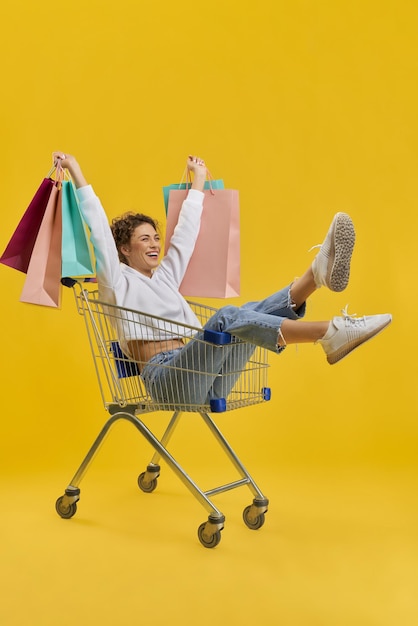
column 331, row 266
column 346, row 333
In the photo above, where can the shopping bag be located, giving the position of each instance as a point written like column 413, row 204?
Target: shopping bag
column 209, row 184
column 19, row 249
column 214, row 268
column 76, row 254
column 42, row 285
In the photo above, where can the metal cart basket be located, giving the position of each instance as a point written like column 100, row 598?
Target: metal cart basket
column 113, row 333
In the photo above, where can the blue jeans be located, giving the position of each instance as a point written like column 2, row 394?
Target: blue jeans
column 200, row 371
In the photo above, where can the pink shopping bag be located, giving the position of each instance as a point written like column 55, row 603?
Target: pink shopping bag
column 214, row 268
column 19, row 249
column 42, row 285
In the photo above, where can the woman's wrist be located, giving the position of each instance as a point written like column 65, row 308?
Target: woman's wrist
column 77, row 174
column 199, row 180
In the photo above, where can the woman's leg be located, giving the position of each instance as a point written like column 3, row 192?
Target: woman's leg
column 302, row 288
column 302, row 332
column 193, row 373
column 273, row 323
column 200, row 370
column 330, row 268
column 184, row 376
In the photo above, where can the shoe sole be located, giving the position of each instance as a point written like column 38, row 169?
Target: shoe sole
column 336, row 356
column 342, row 245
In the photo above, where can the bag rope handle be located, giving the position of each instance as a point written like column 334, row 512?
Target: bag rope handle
column 188, row 176
column 60, row 174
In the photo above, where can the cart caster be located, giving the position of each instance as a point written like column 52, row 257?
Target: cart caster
column 213, row 541
column 254, row 514
column 65, row 509
column 209, row 532
column 66, row 505
column 146, row 485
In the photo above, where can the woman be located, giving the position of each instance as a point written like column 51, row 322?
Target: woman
column 130, row 274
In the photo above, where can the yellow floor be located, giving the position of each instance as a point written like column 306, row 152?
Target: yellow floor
column 339, row 548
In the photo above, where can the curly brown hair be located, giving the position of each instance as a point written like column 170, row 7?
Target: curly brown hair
column 122, row 228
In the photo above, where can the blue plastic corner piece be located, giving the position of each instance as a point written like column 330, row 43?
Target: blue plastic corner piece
column 266, row 391
column 217, row 338
column 124, row 366
column 218, row 405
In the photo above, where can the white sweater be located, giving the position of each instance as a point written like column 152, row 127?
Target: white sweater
column 124, row 286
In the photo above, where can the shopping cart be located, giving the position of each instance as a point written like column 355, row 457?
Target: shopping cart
column 243, row 382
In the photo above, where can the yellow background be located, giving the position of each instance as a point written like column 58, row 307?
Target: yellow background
column 308, row 108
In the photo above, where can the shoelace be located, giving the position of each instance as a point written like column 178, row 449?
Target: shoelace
column 318, row 245
column 351, row 319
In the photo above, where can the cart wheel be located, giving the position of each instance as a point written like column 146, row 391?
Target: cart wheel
column 65, row 511
column 253, row 523
column 214, row 540
column 146, row 485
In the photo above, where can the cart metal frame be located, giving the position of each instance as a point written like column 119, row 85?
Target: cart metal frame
column 125, row 398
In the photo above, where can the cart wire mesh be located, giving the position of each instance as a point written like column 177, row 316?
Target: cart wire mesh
column 115, row 331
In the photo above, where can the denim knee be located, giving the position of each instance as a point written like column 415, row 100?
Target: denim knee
column 222, row 318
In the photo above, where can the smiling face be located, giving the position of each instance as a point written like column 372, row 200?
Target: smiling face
column 143, row 250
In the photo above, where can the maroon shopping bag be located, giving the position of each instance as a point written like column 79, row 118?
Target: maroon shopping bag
column 19, row 249
column 43, row 279
column 214, row 268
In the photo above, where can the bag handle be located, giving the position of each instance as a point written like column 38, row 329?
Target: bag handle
column 60, row 174
column 188, row 176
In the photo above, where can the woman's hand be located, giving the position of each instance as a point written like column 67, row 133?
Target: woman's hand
column 63, row 159
column 198, row 167
column 68, row 161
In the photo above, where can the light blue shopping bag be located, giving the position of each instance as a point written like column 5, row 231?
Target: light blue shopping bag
column 77, row 256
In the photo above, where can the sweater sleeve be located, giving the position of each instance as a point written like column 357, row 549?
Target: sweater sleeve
column 107, row 260
column 184, row 237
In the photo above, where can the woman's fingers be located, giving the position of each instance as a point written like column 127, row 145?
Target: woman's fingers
column 58, row 157
column 196, row 160
column 62, row 159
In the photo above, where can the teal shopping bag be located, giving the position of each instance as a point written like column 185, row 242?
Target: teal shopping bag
column 77, row 257
column 214, row 184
